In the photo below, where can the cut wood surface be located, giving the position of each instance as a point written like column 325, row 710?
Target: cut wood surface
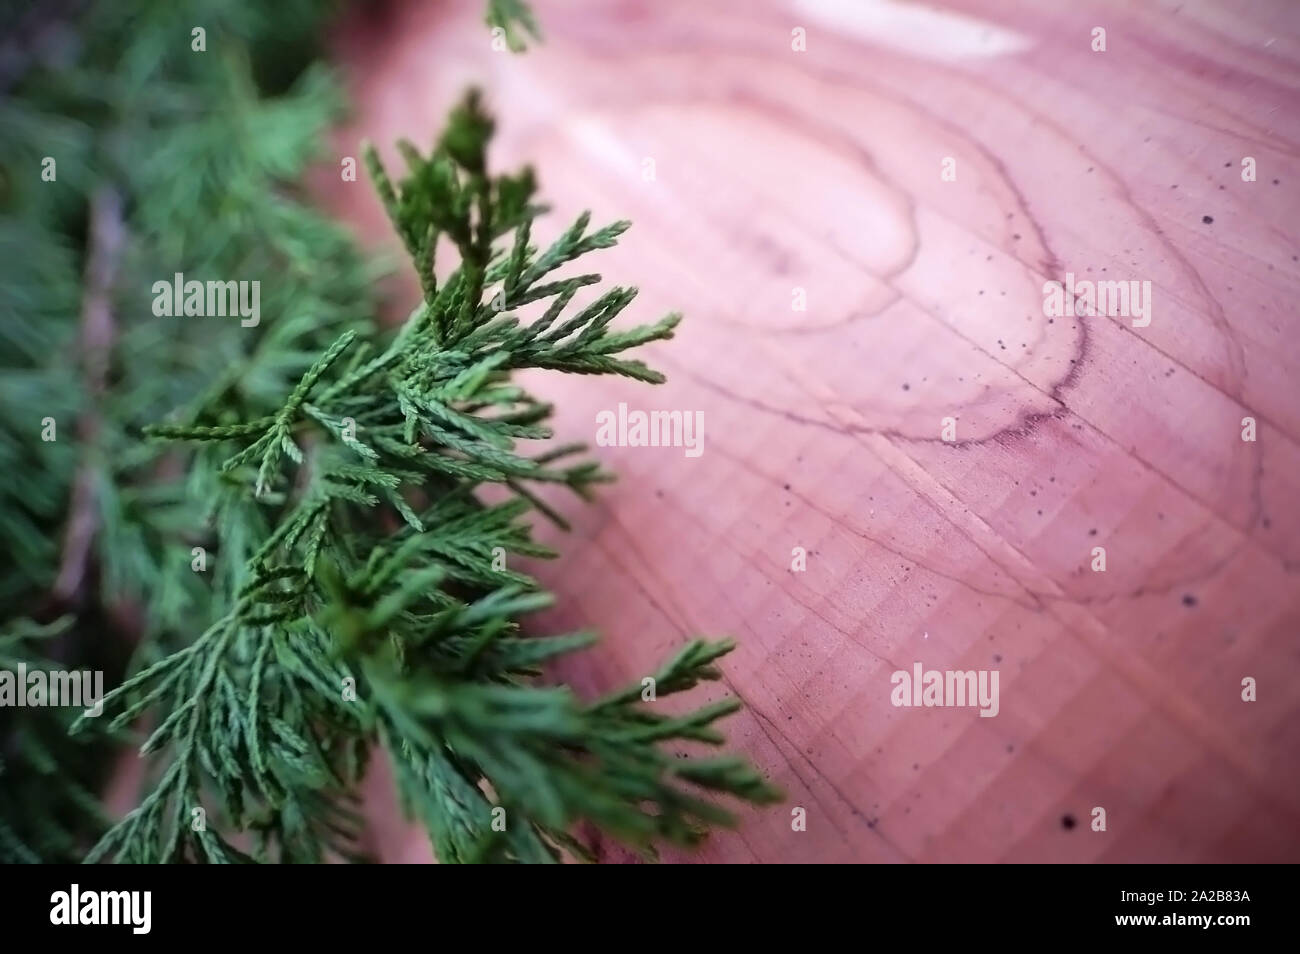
column 779, row 172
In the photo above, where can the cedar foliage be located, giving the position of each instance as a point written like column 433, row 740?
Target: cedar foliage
column 166, row 160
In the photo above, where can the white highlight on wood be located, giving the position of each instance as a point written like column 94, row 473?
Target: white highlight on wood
column 921, row 30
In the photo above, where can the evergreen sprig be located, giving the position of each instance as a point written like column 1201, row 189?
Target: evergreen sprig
column 514, row 18
column 112, row 125
column 370, row 601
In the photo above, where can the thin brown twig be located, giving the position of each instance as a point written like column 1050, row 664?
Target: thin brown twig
column 107, row 238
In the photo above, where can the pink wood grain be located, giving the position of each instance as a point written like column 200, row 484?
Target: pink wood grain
column 778, row 169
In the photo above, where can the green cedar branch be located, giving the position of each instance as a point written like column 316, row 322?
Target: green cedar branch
column 376, row 607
